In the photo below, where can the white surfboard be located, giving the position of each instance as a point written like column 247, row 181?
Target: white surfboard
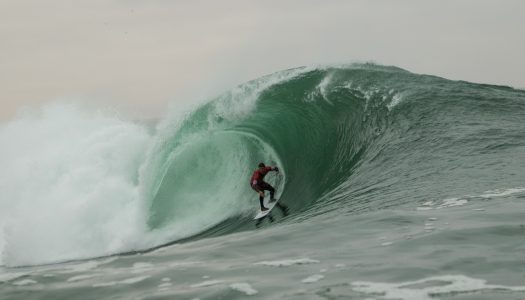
column 270, row 206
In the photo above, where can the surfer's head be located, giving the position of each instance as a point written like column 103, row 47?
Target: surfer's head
column 261, row 165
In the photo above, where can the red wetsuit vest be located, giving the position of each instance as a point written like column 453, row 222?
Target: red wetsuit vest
column 259, row 174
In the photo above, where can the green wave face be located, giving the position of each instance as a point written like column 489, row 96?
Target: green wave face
column 346, row 138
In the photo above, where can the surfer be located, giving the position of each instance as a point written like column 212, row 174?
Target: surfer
column 259, row 185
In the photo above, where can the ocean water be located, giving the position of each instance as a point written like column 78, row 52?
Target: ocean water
column 399, row 186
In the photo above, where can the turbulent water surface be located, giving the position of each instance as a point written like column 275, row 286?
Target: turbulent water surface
column 399, row 186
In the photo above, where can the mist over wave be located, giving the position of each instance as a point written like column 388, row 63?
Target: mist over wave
column 70, row 185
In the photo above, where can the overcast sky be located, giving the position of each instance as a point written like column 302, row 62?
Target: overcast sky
column 140, row 55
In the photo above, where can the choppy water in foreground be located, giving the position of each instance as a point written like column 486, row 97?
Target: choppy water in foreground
column 400, row 186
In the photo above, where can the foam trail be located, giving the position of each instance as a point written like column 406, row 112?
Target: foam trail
column 439, row 286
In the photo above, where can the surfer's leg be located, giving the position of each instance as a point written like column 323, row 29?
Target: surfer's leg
column 272, row 192
column 261, row 198
column 260, row 191
column 267, row 187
